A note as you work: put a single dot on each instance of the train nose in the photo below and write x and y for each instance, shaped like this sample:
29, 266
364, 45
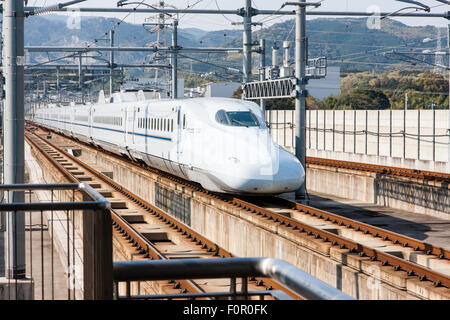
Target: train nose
288, 176
280, 175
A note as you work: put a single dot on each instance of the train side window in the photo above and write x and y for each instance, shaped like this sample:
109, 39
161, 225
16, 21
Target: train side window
171, 125
184, 121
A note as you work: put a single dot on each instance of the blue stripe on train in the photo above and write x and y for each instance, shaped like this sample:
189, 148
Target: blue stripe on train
109, 129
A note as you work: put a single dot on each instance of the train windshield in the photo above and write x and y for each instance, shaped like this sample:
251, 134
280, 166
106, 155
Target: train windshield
237, 118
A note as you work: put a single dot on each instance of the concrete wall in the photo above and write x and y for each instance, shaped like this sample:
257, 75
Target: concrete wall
423, 198
371, 136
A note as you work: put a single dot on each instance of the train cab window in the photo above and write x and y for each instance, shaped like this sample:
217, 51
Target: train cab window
243, 118
221, 117
237, 118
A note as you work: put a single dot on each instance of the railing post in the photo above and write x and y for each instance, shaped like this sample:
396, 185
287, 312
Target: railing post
418, 134
343, 132
378, 132
97, 254
309, 127
404, 134
334, 126
434, 135
324, 129
365, 148
317, 129
354, 131
390, 133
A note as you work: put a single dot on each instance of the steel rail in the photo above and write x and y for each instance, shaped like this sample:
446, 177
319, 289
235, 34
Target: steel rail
387, 259
142, 244
404, 172
386, 235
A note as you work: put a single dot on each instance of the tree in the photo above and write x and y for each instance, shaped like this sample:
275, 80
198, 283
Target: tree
361, 99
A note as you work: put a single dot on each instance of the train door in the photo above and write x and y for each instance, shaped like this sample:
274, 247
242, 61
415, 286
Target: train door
129, 126
124, 125
178, 133
90, 121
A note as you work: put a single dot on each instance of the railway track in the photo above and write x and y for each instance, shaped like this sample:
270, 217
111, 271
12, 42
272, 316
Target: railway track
344, 233
439, 177
146, 232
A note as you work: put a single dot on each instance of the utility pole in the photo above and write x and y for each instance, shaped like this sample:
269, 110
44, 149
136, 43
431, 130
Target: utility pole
300, 95
175, 60
13, 132
58, 85
80, 76
404, 125
247, 40
161, 36
448, 129
262, 74
111, 63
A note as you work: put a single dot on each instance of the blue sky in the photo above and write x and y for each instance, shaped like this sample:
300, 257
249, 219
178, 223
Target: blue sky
217, 22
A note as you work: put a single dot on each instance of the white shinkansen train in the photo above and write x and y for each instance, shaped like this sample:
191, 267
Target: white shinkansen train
223, 144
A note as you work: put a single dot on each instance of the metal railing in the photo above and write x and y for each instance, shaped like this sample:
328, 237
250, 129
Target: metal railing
298, 281
63, 246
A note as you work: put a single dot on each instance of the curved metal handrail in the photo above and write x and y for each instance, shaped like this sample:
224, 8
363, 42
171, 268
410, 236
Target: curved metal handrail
299, 281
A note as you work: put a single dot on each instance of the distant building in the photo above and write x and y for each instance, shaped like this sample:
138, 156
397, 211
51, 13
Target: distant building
221, 89
194, 92
145, 84
330, 85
